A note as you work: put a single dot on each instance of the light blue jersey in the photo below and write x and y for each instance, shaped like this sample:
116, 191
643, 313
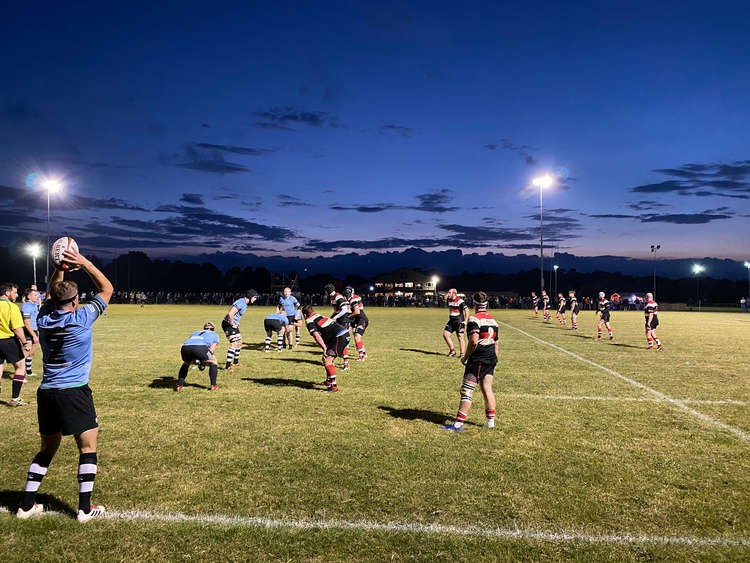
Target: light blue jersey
202, 338
278, 317
241, 305
30, 311
67, 344
289, 304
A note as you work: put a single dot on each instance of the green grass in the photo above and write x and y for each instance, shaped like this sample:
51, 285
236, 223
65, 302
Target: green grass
270, 443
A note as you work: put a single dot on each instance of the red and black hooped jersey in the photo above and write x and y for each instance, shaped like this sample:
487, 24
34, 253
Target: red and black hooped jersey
535, 300
328, 328
485, 326
358, 308
651, 307
603, 305
573, 302
545, 300
456, 308
561, 304
341, 306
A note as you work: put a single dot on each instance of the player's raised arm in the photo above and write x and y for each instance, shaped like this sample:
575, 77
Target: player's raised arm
103, 285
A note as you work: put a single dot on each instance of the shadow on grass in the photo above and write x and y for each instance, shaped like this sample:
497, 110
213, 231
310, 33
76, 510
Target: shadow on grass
280, 382
433, 417
259, 346
426, 352
169, 382
299, 361
12, 500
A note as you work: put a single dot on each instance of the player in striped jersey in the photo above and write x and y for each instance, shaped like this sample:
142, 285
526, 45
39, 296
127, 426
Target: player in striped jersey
603, 307
480, 362
332, 337
341, 312
651, 310
545, 306
535, 302
561, 310
573, 309
358, 321
457, 317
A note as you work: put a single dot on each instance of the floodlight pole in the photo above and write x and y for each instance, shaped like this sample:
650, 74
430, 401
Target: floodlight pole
33, 261
654, 248
46, 276
541, 235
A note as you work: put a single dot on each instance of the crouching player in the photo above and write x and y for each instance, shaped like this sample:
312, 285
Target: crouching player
332, 338
358, 321
480, 361
199, 349
651, 310
276, 322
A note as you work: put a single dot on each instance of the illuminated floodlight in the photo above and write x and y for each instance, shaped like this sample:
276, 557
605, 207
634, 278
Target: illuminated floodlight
698, 268
543, 182
555, 267
435, 280
372, 288
52, 185
747, 265
34, 249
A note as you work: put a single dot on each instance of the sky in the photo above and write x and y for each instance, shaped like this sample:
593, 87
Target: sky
293, 129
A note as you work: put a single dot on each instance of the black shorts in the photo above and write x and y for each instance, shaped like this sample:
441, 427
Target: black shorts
455, 324
273, 325
70, 411
654, 323
476, 371
605, 316
561, 311
337, 346
359, 326
574, 310
195, 353
11, 350
230, 331
290, 319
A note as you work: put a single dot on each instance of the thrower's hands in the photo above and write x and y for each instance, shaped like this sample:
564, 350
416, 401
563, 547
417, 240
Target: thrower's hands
75, 260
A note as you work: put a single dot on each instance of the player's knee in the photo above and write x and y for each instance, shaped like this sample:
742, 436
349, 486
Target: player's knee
467, 391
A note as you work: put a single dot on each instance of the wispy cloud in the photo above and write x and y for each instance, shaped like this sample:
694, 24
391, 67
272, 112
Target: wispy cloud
249, 151
206, 160
286, 200
400, 130
703, 180
523, 150
431, 202
290, 115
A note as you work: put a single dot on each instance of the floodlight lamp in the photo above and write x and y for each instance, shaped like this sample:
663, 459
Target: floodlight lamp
697, 268
543, 182
435, 280
555, 267
33, 249
52, 185
747, 264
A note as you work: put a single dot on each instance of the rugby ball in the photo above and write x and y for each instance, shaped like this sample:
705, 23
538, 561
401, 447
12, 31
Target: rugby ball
58, 247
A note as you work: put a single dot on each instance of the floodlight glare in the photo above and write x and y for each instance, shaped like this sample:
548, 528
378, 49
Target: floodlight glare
747, 264
697, 268
555, 267
33, 249
543, 182
52, 185
435, 280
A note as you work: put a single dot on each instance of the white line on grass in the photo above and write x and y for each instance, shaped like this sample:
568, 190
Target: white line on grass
415, 527
676, 402
632, 399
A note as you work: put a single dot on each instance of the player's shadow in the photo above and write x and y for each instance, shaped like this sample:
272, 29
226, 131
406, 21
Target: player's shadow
281, 382
169, 382
419, 414
254, 346
12, 500
621, 345
418, 351
299, 361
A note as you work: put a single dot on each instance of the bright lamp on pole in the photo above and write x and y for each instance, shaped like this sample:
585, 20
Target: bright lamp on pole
542, 182
34, 249
697, 270
52, 186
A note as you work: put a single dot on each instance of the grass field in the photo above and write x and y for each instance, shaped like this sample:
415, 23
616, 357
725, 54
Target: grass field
602, 451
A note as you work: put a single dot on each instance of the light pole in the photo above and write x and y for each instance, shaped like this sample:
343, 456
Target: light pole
555, 267
697, 269
747, 265
542, 182
435, 280
33, 250
52, 186
654, 248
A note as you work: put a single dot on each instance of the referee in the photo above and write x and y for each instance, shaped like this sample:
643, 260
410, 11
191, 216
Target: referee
13, 343
64, 402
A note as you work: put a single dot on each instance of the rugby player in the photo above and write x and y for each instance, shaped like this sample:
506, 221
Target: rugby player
65, 405
297, 326
290, 304
13, 342
276, 322
651, 310
561, 310
332, 337
573, 309
199, 349
231, 327
545, 306
603, 307
535, 302
358, 321
341, 312
29, 312
457, 317
480, 362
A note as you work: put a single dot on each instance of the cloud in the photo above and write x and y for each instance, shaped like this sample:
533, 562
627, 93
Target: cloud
24, 198
291, 201
646, 205
192, 199
289, 114
523, 150
235, 150
208, 160
685, 218
703, 180
273, 126
430, 202
613, 216
405, 132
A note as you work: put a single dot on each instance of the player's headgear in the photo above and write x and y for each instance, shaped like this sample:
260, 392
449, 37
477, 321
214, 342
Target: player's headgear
251, 293
601, 294
209, 326
348, 291
329, 288
480, 299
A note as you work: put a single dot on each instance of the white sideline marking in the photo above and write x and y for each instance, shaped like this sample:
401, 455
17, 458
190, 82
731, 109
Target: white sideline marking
676, 402
414, 527
633, 399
